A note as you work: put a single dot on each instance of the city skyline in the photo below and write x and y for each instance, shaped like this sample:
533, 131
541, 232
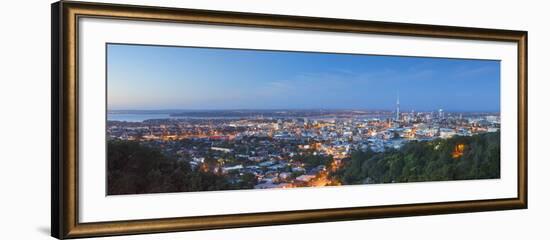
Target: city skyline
184, 78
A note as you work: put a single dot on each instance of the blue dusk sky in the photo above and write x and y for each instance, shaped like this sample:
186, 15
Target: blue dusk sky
159, 77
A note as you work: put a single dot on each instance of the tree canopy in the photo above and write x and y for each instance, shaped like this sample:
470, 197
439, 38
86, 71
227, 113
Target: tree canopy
135, 169
457, 158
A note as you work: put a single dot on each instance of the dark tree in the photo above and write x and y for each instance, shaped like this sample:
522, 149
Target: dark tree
458, 158
136, 169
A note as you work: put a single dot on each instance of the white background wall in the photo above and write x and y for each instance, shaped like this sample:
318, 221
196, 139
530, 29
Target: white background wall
25, 119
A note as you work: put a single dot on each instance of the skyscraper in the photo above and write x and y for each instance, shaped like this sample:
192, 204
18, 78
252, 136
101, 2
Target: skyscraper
397, 109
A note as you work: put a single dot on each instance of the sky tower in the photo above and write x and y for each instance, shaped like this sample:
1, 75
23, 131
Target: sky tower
397, 109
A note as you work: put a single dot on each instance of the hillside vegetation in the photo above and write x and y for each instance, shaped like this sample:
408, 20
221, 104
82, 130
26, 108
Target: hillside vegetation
457, 158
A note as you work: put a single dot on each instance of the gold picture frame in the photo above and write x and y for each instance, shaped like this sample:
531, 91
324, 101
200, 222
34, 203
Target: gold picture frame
65, 126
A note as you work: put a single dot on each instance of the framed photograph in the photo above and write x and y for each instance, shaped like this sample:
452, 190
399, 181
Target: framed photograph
168, 119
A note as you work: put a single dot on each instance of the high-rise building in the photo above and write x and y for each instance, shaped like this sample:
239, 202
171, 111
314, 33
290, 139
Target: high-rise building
397, 109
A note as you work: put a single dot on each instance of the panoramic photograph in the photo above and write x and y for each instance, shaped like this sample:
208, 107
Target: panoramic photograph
187, 119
